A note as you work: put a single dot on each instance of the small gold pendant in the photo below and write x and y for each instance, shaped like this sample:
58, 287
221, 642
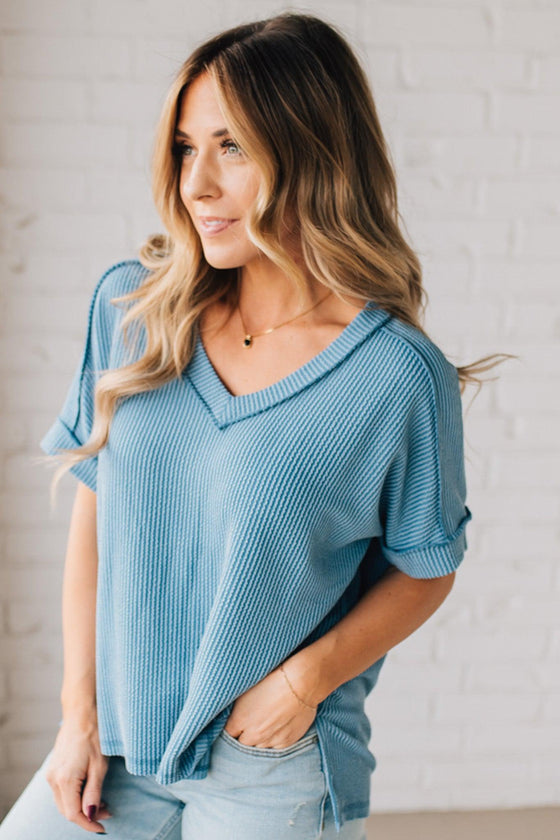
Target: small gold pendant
248, 340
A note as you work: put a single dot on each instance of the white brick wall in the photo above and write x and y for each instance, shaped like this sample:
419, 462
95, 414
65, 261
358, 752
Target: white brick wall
466, 711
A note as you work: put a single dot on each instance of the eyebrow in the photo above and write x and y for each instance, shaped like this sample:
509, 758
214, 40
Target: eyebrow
219, 133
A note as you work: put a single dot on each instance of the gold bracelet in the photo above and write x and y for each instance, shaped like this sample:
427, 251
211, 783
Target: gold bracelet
293, 692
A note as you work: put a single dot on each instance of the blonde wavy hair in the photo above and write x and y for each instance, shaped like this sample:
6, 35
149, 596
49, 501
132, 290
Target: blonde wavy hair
296, 100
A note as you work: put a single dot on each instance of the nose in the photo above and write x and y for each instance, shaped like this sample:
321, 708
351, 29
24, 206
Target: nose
198, 179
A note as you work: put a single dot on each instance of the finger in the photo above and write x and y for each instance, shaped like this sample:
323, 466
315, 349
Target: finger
57, 797
91, 793
71, 790
103, 812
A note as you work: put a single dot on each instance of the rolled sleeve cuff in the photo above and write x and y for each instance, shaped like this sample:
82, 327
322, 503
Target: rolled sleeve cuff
431, 561
59, 436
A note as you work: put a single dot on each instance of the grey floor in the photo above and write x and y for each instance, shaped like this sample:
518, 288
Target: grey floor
525, 824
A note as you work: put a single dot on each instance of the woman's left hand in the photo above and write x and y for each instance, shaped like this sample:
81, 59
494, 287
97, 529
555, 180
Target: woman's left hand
268, 714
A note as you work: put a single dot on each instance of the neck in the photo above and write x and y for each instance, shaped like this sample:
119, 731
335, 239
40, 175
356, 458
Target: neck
267, 295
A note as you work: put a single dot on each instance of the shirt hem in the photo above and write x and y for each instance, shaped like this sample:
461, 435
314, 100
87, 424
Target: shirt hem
342, 813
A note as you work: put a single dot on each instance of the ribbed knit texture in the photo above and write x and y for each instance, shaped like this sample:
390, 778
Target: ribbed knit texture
235, 530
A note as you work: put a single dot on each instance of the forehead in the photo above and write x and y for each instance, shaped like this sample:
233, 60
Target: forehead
198, 108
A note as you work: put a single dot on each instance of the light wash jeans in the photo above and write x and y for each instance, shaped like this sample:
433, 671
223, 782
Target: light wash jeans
250, 793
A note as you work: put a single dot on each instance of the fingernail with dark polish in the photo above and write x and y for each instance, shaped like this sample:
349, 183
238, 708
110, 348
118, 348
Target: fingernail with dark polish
101, 832
91, 812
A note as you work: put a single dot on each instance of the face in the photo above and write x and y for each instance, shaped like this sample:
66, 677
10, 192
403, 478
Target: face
218, 183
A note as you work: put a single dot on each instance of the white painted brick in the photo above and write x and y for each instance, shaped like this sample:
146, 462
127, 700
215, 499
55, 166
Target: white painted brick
29, 753
529, 397
418, 647
415, 741
33, 650
33, 717
35, 392
24, 546
393, 710
450, 236
476, 155
46, 356
446, 312
26, 618
63, 145
42, 273
12, 433
43, 100
514, 540
157, 58
444, 273
545, 775
430, 113
538, 238
129, 103
473, 773
416, 678
380, 64
526, 739
58, 16
522, 608
475, 708
26, 314
35, 512
144, 17
533, 355
392, 773
484, 572
538, 507
71, 232
541, 155
61, 56
115, 189
511, 645
551, 707
497, 676
532, 111
431, 196
57, 189
41, 681
525, 197
459, 69
487, 431
547, 676
406, 25
531, 28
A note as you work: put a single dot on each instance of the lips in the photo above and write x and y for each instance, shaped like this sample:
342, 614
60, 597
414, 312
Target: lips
215, 224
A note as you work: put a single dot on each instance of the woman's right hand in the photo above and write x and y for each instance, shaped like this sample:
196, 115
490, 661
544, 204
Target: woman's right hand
76, 771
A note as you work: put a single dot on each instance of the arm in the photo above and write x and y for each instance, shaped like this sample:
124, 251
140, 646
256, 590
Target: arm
78, 608
77, 768
389, 612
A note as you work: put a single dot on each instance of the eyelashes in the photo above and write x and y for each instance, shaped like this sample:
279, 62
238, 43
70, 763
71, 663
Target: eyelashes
179, 149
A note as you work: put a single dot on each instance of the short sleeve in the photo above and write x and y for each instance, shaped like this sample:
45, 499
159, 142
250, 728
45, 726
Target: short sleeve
423, 510
72, 427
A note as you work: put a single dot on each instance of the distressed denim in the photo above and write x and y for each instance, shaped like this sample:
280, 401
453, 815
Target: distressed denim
250, 793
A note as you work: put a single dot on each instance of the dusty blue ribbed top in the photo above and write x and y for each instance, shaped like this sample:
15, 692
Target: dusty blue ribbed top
235, 530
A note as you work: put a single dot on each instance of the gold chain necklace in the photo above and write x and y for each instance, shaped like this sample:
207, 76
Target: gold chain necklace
248, 340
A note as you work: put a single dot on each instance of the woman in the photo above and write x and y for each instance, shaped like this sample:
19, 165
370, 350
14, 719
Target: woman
281, 498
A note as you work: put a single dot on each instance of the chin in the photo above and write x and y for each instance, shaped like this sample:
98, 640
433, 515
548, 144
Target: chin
217, 262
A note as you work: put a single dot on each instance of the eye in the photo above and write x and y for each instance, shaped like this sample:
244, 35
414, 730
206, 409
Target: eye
179, 150
229, 144
182, 150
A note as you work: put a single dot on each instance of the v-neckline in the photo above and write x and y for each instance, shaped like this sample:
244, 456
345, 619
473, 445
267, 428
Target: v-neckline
227, 408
